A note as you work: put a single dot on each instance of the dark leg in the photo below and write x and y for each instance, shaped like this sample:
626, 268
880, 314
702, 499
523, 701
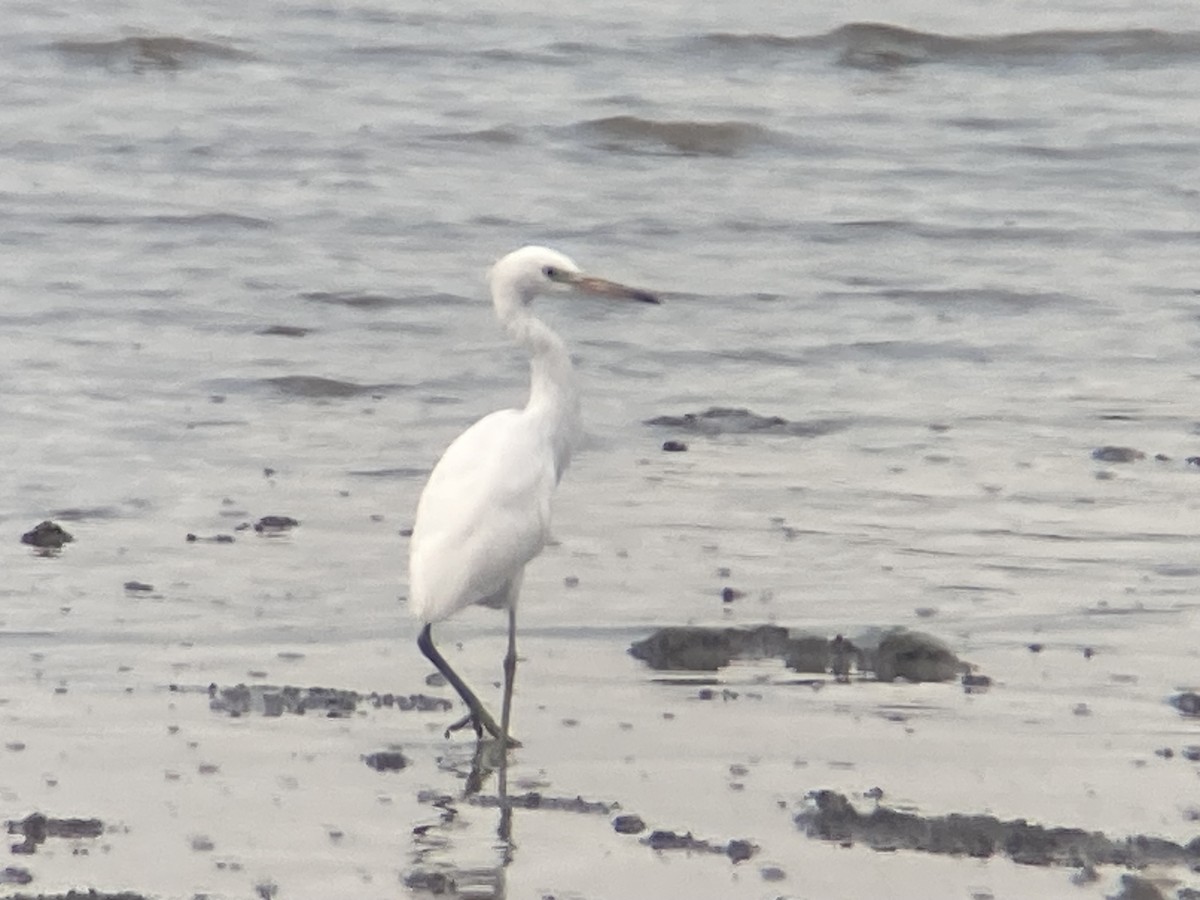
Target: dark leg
478, 717
510, 674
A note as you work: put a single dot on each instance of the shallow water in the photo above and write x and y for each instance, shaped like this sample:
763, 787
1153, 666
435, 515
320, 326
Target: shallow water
244, 251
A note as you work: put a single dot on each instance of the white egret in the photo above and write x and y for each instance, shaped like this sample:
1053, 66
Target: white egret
485, 511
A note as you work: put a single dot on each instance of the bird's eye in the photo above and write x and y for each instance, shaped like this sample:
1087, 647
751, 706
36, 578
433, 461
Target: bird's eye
550, 272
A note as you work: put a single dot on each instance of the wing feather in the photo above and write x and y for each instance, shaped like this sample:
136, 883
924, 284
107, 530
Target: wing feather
484, 514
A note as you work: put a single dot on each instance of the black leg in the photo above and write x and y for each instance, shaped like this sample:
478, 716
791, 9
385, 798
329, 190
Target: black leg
478, 717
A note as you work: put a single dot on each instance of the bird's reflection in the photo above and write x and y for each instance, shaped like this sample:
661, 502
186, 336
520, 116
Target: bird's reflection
435, 872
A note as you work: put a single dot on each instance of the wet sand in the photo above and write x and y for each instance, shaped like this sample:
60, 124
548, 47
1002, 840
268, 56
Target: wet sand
745, 781
250, 717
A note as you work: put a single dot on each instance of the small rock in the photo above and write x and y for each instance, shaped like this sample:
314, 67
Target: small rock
772, 873
914, 657
629, 824
975, 684
47, 535
739, 850
275, 524
15, 875
674, 447
1135, 887
1117, 454
1188, 703
138, 586
386, 760
435, 883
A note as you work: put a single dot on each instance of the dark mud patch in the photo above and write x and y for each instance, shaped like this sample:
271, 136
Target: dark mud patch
271, 701
208, 539
451, 882
36, 828
47, 535
737, 850
537, 800
530, 800
896, 653
719, 420
833, 818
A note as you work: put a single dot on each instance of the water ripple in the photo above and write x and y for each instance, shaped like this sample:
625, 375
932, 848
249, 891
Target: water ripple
686, 137
872, 45
166, 52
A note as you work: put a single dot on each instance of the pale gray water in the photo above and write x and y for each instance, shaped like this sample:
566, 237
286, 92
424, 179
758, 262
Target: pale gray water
968, 248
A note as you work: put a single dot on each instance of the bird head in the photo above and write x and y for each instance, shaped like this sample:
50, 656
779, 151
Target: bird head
534, 270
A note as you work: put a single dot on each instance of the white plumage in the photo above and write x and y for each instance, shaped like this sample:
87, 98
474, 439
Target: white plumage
485, 511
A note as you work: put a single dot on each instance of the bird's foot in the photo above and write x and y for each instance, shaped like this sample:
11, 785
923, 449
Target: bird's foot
469, 719
479, 722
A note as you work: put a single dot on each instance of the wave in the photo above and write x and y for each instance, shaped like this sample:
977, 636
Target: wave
728, 420
492, 136
218, 220
558, 54
873, 45
149, 52
686, 137
370, 300
315, 387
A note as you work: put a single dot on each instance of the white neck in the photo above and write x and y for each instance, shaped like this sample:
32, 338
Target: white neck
553, 395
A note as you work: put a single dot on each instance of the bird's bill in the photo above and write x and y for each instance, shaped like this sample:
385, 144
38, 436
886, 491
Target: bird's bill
602, 287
